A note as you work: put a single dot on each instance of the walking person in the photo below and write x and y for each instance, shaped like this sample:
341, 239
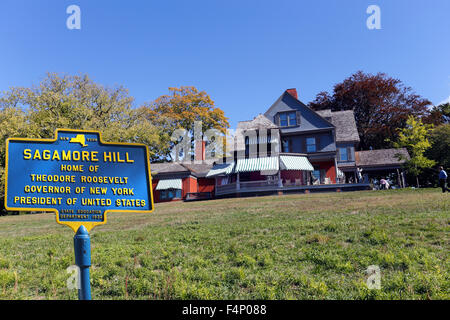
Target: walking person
443, 179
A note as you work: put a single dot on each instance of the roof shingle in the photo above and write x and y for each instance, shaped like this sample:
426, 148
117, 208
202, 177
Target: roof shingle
381, 157
344, 121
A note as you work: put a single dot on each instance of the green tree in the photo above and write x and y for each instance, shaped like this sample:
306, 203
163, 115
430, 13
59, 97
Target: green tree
181, 108
439, 115
415, 139
73, 102
440, 145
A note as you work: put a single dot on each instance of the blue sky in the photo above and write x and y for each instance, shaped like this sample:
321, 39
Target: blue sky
243, 53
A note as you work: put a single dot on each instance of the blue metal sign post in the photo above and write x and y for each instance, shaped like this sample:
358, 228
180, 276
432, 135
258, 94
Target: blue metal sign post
80, 178
82, 245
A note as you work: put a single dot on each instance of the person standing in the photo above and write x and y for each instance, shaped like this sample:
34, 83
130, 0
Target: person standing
383, 184
359, 173
443, 179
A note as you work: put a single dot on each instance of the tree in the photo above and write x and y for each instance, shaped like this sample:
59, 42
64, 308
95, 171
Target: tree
439, 115
381, 105
181, 108
72, 102
414, 139
440, 145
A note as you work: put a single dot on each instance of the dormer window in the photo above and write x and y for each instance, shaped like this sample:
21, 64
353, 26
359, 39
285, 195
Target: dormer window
288, 119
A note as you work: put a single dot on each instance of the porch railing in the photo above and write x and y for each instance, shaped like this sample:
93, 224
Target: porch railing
226, 188
272, 185
247, 185
258, 184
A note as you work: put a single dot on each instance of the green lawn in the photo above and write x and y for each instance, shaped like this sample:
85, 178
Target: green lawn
315, 246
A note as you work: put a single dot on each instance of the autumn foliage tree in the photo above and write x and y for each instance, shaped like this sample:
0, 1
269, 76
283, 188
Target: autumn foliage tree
439, 115
181, 108
381, 105
72, 102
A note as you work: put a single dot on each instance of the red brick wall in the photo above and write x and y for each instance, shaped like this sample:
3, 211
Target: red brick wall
256, 176
206, 185
292, 175
331, 172
189, 185
329, 167
155, 193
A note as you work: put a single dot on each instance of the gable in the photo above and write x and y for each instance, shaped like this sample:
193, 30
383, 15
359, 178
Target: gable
309, 119
344, 121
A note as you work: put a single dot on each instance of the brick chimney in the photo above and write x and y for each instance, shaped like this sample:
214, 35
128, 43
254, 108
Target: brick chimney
293, 92
200, 150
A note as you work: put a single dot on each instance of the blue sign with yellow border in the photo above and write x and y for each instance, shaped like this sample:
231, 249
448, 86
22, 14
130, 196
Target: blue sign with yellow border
77, 176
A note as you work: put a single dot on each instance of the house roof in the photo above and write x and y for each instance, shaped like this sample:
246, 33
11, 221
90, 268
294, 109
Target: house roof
259, 122
381, 157
167, 167
196, 169
344, 121
288, 102
199, 169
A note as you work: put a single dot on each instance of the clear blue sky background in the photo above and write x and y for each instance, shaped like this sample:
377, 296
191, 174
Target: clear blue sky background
244, 53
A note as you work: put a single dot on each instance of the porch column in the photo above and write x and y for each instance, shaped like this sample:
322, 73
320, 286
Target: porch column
403, 178
238, 183
336, 169
280, 183
399, 179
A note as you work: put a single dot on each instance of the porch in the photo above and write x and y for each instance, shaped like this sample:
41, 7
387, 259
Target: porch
275, 187
276, 175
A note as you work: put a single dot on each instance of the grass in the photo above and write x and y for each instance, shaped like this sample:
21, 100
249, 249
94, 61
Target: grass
315, 246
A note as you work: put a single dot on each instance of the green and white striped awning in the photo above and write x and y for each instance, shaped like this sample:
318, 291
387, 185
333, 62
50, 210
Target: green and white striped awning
257, 164
295, 163
222, 168
169, 184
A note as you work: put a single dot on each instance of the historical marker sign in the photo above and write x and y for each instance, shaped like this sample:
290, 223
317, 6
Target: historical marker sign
77, 176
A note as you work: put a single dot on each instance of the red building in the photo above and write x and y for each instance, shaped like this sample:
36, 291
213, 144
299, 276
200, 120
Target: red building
186, 181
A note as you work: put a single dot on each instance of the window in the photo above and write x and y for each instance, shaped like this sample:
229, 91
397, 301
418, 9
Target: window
170, 194
346, 154
286, 145
316, 174
310, 144
247, 146
292, 118
343, 154
283, 120
288, 119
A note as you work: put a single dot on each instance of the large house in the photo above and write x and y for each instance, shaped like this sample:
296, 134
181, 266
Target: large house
292, 148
